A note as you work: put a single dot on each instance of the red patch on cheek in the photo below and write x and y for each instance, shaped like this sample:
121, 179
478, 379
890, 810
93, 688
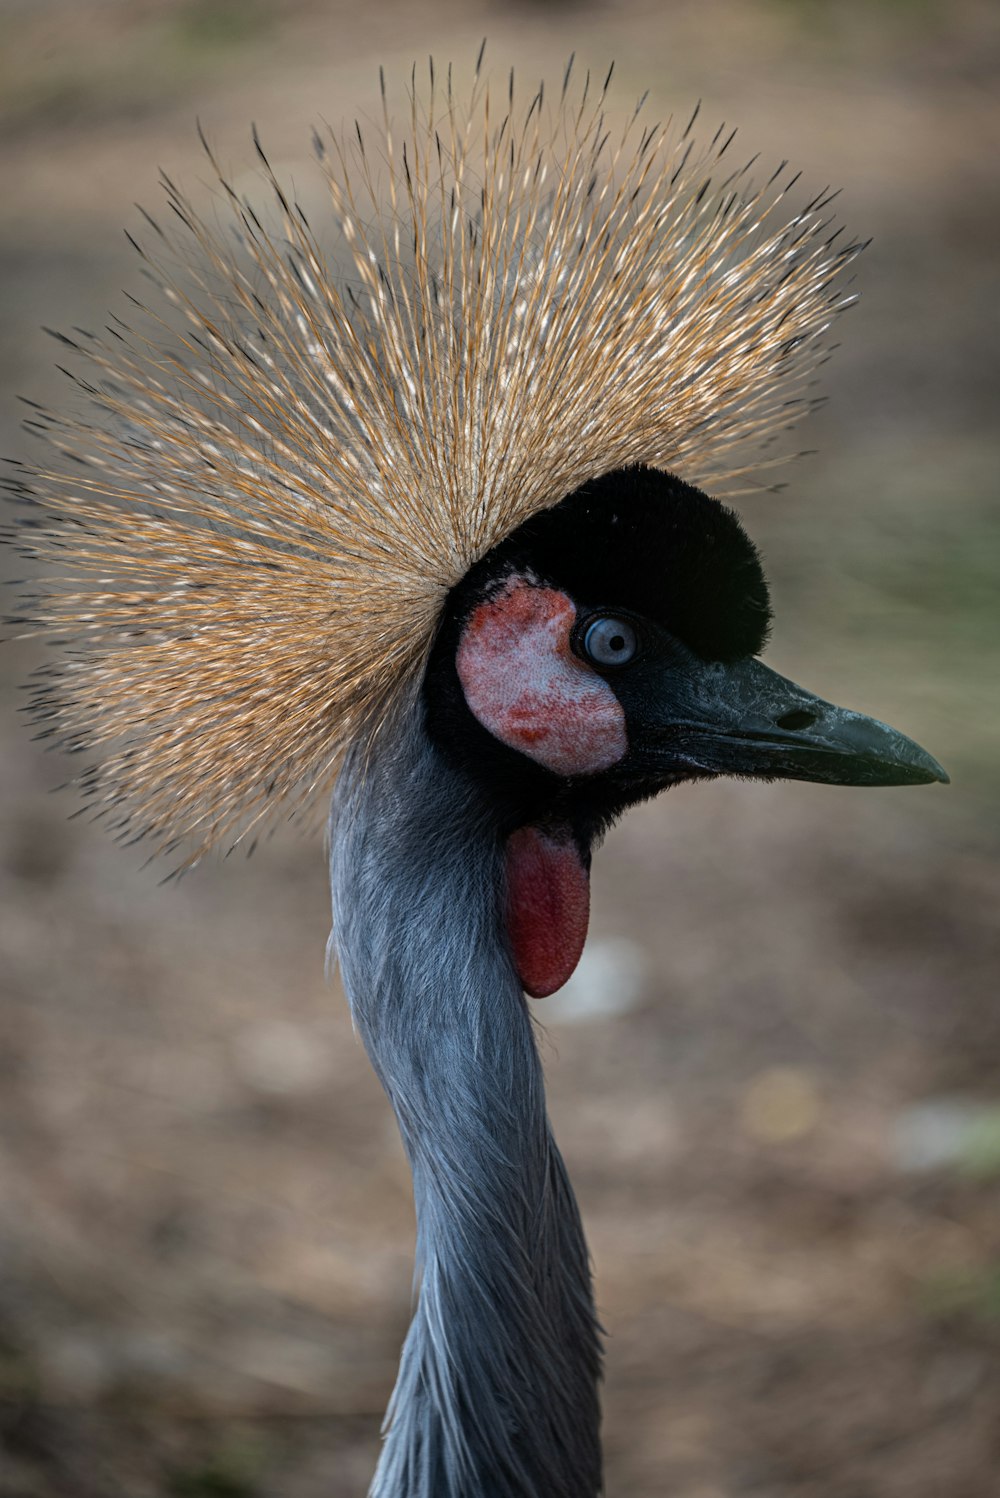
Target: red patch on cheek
525, 685
548, 908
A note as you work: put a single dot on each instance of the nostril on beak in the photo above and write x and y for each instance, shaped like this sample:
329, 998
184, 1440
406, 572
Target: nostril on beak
798, 719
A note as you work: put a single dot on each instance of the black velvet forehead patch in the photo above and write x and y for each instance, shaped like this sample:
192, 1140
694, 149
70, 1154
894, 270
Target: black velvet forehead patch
643, 540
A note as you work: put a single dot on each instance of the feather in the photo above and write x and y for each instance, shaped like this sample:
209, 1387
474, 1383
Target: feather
305, 438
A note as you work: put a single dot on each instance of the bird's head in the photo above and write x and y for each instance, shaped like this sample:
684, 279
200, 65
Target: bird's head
604, 651
267, 532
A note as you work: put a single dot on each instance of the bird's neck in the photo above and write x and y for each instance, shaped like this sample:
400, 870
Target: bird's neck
497, 1389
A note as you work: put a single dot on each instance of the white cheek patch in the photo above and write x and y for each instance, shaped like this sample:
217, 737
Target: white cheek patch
525, 685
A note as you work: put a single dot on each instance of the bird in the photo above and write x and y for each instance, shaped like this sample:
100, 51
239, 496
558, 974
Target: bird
419, 511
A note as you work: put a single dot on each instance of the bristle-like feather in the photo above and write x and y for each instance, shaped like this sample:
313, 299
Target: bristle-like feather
303, 446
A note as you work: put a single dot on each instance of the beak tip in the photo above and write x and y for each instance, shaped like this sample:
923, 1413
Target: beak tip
929, 767
928, 771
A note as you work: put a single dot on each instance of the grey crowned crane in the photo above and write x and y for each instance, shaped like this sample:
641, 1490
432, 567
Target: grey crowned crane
406, 509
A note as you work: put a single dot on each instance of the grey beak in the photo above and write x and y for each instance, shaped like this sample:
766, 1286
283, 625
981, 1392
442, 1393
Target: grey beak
746, 720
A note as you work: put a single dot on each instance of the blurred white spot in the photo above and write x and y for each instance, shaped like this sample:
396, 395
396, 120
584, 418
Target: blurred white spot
280, 1057
609, 980
948, 1131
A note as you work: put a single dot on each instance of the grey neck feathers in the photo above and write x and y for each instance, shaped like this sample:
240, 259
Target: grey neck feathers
497, 1388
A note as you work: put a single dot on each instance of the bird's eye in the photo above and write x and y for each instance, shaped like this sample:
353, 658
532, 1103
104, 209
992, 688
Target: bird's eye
610, 642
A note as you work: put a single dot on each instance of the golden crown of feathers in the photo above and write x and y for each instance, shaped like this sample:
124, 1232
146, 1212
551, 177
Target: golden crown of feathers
309, 436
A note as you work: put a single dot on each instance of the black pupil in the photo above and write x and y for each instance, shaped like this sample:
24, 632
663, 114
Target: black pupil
617, 642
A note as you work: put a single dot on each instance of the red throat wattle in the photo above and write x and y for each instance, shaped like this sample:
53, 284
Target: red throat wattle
548, 907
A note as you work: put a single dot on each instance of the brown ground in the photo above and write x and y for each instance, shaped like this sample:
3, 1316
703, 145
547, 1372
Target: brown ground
206, 1232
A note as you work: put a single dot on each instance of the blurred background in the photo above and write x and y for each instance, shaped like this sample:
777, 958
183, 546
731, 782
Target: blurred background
777, 1076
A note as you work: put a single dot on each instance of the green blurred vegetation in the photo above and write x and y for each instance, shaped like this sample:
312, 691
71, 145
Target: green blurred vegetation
971, 1293
232, 1470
